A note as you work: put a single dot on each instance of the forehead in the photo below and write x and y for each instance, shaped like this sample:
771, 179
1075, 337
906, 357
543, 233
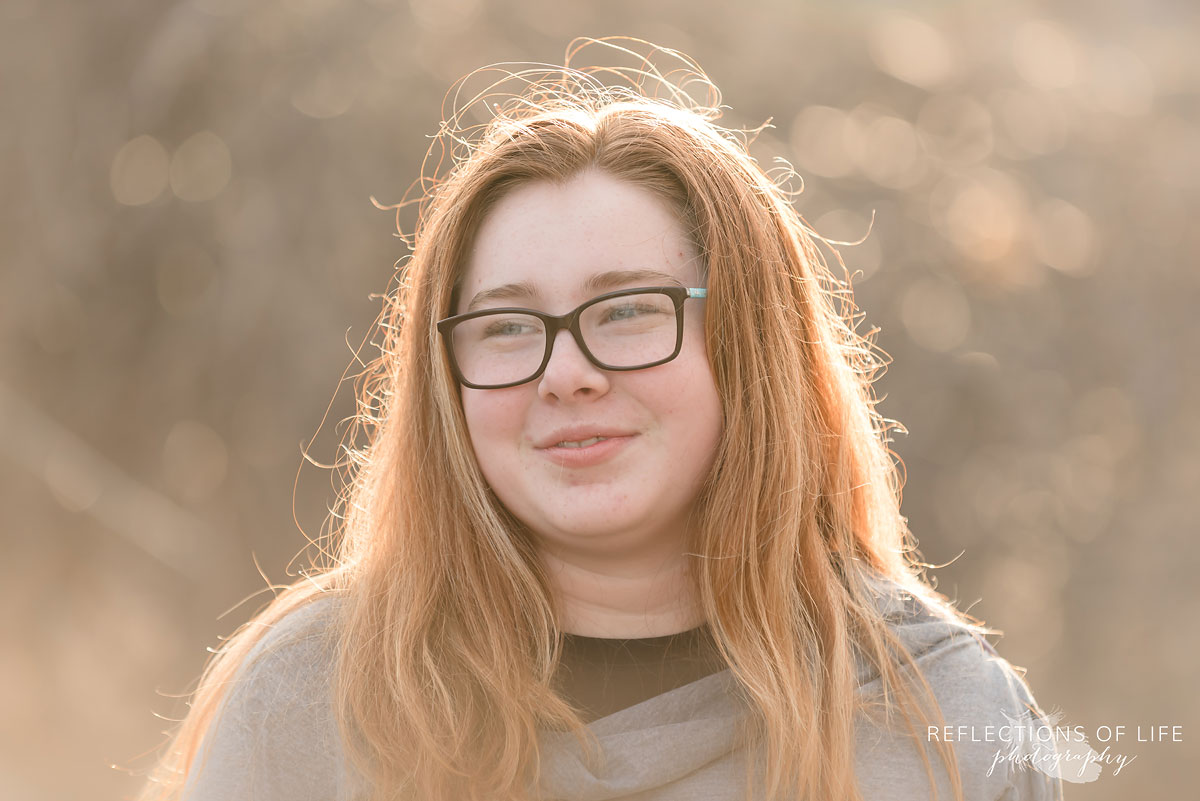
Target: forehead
548, 241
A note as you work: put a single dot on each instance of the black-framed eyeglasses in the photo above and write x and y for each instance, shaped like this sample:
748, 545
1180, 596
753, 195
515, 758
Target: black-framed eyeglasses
630, 329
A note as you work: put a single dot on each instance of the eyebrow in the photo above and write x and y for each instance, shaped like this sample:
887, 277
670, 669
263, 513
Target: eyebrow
600, 282
521, 289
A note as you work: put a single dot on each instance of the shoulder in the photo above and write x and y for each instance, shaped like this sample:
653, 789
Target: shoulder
291, 666
987, 703
981, 696
308, 630
275, 734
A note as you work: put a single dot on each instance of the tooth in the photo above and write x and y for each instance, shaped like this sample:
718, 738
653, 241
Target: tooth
580, 443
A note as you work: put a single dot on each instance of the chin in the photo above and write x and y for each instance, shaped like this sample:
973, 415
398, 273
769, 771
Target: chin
598, 524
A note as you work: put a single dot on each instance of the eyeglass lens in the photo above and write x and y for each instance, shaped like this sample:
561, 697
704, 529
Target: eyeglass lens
626, 331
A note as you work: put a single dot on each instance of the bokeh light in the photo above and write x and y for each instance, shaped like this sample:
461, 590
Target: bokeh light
911, 49
139, 171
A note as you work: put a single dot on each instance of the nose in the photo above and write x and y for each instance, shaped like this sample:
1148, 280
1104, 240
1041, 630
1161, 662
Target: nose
569, 375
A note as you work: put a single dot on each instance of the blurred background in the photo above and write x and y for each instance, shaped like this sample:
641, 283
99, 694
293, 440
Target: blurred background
190, 249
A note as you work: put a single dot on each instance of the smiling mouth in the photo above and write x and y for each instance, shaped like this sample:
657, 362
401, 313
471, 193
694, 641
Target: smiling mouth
583, 443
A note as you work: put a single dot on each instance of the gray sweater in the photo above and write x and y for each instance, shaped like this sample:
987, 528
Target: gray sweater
276, 737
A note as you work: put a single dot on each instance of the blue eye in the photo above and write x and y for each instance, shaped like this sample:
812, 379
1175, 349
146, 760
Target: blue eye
509, 328
630, 311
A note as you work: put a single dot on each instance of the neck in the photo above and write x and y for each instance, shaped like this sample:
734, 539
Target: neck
649, 597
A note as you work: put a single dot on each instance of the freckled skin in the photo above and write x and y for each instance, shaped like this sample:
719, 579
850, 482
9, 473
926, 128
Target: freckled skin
638, 502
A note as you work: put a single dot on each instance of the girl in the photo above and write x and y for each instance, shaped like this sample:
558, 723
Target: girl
624, 523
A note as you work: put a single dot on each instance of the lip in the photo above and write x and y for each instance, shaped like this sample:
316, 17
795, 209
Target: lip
593, 454
578, 434
615, 440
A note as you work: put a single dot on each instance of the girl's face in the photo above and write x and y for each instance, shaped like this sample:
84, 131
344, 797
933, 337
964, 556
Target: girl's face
550, 247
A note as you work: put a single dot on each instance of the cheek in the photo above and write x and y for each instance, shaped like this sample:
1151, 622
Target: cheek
697, 411
494, 423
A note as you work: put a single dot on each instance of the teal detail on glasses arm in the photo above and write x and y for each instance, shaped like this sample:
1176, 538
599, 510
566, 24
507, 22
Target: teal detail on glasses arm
697, 293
